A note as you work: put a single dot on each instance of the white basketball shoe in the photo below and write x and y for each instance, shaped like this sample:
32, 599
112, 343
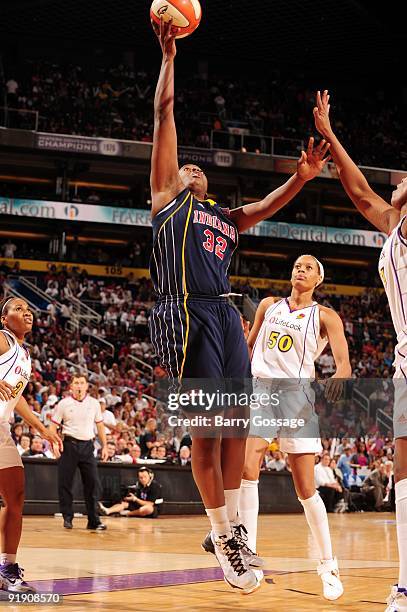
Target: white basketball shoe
397, 600
235, 570
329, 573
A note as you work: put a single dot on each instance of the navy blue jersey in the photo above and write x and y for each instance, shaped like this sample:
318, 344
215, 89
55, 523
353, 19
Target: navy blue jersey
193, 244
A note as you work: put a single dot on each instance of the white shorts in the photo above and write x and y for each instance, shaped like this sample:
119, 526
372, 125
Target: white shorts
400, 403
295, 402
9, 455
300, 445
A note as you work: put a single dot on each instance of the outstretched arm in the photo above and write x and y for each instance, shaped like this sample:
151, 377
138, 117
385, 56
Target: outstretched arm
164, 178
309, 165
332, 327
258, 322
369, 204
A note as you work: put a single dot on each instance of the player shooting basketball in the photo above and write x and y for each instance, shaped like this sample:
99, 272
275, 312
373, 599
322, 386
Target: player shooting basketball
195, 332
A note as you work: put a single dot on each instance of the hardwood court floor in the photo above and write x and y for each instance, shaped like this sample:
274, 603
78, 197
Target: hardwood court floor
143, 564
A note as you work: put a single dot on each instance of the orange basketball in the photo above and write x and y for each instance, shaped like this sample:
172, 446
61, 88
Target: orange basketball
185, 15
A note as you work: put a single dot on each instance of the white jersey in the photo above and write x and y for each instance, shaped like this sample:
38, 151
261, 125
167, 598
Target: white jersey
15, 368
288, 343
393, 272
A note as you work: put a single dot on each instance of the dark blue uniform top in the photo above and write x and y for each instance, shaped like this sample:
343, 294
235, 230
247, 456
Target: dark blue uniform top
193, 244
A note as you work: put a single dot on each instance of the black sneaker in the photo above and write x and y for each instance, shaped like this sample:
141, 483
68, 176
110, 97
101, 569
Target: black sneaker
98, 527
11, 579
207, 545
68, 524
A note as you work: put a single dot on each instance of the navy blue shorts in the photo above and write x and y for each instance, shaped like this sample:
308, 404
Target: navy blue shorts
202, 338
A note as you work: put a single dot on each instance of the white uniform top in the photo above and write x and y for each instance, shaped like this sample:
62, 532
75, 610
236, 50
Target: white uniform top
288, 343
78, 417
15, 368
393, 272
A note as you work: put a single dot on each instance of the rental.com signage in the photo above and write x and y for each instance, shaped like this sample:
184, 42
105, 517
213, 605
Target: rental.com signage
41, 209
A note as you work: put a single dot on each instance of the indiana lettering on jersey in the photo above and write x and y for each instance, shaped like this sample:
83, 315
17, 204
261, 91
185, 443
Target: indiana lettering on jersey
205, 218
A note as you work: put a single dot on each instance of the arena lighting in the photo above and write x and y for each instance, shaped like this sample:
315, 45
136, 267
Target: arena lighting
360, 263
25, 179
101, 240
333, 208
265, 254
9, 234
99, 185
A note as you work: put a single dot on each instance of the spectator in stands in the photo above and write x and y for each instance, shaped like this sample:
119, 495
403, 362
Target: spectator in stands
374, 486
142, 500
276, 461
9, 249
148, 440
184, 457
111, 453
24, 444
344, 464
17, 432
113, 397
326, 483
12, 92
108, 417
360, 458
36, 448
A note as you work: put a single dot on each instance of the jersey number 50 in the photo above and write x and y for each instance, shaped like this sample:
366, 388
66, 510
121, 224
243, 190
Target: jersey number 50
283, 343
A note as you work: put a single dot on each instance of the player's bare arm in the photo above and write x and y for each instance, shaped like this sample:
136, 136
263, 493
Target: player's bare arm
258, 321
376, 210
5, 387
332, 328
165, 180
310, 164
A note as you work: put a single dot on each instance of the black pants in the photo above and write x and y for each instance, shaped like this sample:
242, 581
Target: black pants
330, 497
78, 454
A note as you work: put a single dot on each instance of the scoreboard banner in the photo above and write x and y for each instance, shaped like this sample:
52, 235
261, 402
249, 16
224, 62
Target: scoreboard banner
42, 209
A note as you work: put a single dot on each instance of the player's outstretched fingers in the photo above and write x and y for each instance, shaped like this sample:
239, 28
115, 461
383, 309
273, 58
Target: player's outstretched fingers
310, 145
325, 148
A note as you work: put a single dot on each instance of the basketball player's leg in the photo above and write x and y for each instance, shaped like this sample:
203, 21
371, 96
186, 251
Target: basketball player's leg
192, 348
237, 370
11, 514
400, 478
11, 517
249, 493
398, 596
302, 466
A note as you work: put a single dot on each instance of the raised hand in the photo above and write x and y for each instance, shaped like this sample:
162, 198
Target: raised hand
312, 162
321, 115
166, 35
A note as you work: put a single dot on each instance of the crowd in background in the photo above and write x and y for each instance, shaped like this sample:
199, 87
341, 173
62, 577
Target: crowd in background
136, 254
119, 360
117, 102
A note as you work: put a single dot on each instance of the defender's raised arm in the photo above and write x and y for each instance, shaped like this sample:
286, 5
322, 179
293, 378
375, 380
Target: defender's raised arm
369, 204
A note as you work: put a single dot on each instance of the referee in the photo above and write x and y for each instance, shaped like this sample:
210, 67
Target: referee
78, 414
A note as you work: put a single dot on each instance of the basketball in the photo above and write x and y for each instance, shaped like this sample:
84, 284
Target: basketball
185, 14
